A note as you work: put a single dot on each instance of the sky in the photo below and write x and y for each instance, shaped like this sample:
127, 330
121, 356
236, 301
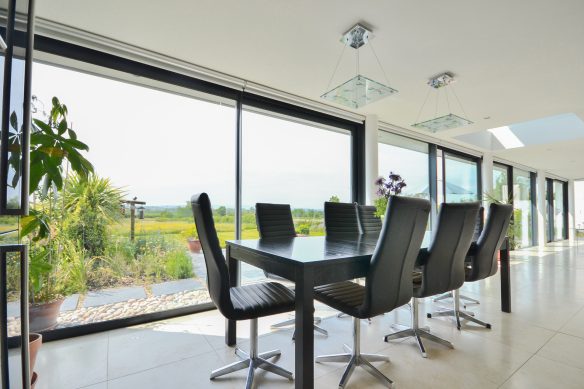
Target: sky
163, 147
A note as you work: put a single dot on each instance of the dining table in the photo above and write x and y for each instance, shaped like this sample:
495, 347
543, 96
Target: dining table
309, 262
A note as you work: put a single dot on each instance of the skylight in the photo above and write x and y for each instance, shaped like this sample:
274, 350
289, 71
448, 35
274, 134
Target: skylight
506, 137
546, 130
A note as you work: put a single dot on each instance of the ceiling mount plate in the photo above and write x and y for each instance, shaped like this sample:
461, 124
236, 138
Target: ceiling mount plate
441, 80
357, 36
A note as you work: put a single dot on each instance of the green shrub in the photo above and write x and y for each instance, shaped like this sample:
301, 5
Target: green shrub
303, 229
178, 265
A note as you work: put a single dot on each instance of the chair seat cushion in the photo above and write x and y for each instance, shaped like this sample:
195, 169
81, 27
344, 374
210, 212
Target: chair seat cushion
262, 299
345, 296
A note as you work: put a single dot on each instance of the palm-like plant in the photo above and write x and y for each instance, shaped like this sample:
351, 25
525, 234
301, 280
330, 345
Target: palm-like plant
90, 204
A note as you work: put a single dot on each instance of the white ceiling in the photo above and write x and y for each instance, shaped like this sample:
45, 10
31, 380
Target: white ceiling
514, 60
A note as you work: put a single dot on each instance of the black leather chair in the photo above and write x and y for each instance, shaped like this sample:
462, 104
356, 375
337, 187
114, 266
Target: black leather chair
481, 260
341, 218
477, 233
441, 266
369, 223
275, 221
247, 302
388, 284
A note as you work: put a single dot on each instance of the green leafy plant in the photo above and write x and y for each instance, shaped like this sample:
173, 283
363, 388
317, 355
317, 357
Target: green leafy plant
54, 148
90, 203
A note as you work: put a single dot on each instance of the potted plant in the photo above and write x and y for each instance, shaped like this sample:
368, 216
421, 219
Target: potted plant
392, 186
54, 147
194, 243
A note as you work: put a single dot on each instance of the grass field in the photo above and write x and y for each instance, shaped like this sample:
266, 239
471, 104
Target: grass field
181, 229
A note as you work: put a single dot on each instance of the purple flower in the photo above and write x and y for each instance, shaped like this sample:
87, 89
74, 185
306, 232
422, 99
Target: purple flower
392, 186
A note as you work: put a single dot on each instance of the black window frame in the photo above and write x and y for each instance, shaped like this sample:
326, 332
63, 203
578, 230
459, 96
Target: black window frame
533, 195
550, 203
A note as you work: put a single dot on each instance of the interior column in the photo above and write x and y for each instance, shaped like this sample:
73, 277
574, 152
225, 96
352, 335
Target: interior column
371, 157
541, 209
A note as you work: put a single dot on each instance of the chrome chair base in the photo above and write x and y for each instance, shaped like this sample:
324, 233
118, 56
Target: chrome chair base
341, 315
253, 361
417, 332
290, 322
354, 358
458, 314
462, 297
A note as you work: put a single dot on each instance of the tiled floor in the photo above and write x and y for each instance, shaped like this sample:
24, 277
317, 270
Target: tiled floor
539, 345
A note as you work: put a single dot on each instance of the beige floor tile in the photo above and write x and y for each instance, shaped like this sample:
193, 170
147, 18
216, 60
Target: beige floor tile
565, 349
136, 349
542, 373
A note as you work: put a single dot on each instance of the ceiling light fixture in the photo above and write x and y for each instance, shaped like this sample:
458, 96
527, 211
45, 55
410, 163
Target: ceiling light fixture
444, 122
359, 90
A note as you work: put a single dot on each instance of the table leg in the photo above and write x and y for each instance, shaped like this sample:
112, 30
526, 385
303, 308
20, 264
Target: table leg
231, 325
304, 342
505, 278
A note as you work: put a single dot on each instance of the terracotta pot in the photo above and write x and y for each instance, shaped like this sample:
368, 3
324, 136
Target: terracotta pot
44, 316
34, 344
194, 245
33, 379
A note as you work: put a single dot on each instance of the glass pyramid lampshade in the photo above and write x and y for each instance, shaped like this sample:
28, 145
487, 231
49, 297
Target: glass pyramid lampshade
358, 91
445, 122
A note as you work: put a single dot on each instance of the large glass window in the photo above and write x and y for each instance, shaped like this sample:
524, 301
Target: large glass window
409, 159
294, 162
460, 178
500, 183
522, 204
114, 256
558, 210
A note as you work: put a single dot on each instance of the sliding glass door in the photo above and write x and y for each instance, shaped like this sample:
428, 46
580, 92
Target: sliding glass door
559, 212
500, 183
128, 244
522, 207
291, 161
458, 178
408, 158
557, 203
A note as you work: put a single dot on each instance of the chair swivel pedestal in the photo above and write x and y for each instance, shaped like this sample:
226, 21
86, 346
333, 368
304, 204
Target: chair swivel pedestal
457, 313
353, 357
291, 322
461, 296
253, 360
417, 332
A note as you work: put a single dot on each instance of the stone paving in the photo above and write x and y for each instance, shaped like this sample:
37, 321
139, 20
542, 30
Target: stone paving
117, 303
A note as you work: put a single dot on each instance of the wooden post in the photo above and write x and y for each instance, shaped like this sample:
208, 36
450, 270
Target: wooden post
132, 221
133, 203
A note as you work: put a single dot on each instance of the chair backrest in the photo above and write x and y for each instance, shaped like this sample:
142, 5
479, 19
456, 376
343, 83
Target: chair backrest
368, 221
480, 224
217, 272
443, 268
274, 220
340, 218
389, 279
484, 258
